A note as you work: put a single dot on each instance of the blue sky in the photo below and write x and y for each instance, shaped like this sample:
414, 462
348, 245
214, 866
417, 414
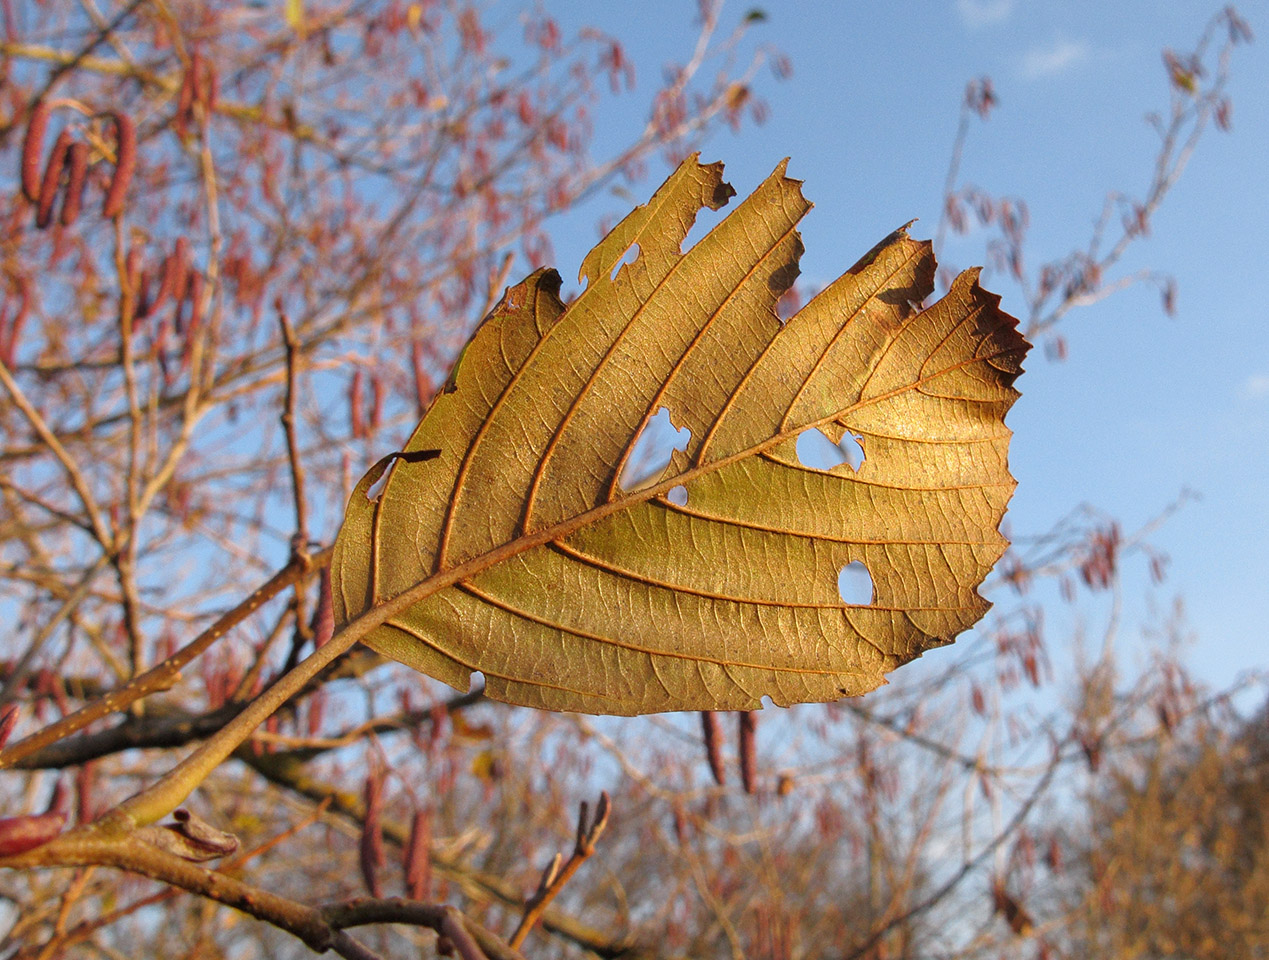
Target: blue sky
1145, 405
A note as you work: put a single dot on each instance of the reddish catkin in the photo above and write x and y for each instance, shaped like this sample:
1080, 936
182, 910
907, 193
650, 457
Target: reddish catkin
59, 801
423, 387
680, 826
73, 201
323, 622
32, 147
139, 281
376, 401
418, 860
272, 725
85, 778
197, 75
19, 834
213, 88
168, 270
316, 712
194, 293
713, 746
125, 165
9, 347
356, 419
748, 750
52, 180
175, 275
132, 266
371, 850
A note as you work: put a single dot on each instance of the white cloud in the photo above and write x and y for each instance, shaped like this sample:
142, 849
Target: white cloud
983, 13
1256, 386
1054, 58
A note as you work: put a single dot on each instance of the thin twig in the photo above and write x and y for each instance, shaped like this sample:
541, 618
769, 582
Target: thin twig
74, 60
162, 676
292, 344
18, 674
320, 928
73, 473
554, 877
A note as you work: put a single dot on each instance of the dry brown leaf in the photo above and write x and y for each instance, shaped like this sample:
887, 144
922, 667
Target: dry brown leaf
570, 592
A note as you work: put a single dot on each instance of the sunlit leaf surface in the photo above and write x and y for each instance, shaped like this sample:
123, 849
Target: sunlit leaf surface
715, 581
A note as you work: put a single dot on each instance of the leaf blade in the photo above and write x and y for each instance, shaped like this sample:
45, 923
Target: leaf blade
530, 563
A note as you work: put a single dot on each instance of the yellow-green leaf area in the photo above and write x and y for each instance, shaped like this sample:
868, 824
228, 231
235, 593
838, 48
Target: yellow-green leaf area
713, 583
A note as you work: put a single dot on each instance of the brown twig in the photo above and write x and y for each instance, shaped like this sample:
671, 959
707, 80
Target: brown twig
320, 928
87, 928
73, 472
299, 540
288, 772
71, 61
292, 345
554, 877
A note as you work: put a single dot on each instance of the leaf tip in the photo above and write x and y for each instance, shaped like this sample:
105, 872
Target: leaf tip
723, 191
781, 172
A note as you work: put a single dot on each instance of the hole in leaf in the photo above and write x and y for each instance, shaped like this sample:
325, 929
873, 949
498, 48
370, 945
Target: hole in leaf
817, 451
677, 495
475, 682
706, 220
653, 449
854, 584
630, 256
376, 489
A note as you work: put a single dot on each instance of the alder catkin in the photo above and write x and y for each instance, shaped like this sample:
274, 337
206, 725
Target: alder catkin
19, 320
72, 202
748, 750
184, 99
58, 802
85, 779
198, 78
323, 623
138, 282
212, 92
125, 164
31, 151
376, 401
175, 276
52, 180
167, 281
423, 388
371, 848
356, 419
713, 746
132, 265
194, 292
418, 862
